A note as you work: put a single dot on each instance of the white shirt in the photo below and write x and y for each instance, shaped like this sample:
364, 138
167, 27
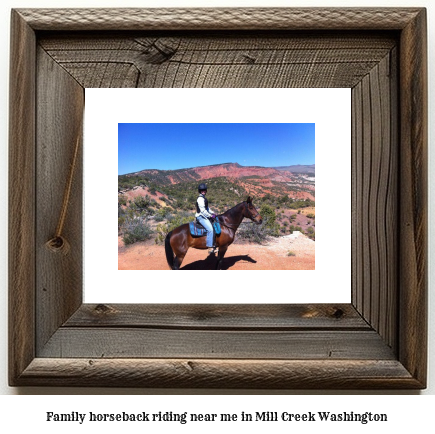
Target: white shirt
202, 209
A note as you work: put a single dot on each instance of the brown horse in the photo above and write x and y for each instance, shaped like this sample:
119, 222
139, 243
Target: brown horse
179, 240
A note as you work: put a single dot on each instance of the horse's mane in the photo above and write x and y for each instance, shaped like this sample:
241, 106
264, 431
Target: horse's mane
231, 211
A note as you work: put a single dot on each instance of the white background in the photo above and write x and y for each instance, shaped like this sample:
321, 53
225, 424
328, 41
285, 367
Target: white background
410, 413
329, 109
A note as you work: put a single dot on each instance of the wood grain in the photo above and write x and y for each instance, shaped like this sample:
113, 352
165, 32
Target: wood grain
127, 342
236, 60
413, 197
220, 317
228, 374
378, 342
59, 278
220, 18
21, 197
375, 199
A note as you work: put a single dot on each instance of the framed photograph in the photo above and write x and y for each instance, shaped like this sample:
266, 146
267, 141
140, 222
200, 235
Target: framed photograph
60, 335
159, 167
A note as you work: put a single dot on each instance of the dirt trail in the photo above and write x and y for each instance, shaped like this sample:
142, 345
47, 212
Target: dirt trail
272, 256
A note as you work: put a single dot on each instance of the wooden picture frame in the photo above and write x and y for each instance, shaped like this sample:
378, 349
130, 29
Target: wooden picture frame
377, 341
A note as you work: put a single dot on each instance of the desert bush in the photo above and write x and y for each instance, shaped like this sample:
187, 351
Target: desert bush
127, 182
257, 233
122, 200
295, 228
269, 220
268, 214
121, 221
135, 229
141, 203
311, 233
173, 221
283, 199
161, 214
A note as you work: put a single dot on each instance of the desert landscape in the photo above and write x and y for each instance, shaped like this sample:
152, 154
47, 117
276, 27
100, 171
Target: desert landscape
152, 202
290, 252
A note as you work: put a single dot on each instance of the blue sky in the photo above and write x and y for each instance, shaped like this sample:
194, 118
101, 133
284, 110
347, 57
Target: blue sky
177, 146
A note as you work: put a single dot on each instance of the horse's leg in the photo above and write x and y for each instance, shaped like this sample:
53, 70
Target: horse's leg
178, 260
222, 250
179, 246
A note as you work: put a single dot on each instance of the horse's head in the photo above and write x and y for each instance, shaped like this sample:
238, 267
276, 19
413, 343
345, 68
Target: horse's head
252, 213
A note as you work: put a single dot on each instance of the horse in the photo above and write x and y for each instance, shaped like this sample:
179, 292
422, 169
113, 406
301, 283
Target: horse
178, 241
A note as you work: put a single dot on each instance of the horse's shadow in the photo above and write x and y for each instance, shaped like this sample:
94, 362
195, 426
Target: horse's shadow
210, 262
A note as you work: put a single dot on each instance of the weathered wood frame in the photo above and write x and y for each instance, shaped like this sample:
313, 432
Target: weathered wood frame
377, 341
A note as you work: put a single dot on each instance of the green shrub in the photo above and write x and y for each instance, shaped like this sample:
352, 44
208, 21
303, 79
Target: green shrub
141, 203
173, 222
122, 200
295, 228
126, 182
121, 221
267, 213
311, 233
269, 220
161, 214
135, 229
257, 233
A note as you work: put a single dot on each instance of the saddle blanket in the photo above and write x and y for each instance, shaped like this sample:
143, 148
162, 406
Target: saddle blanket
196, 230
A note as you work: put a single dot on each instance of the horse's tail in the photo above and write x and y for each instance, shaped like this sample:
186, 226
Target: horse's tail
169, 252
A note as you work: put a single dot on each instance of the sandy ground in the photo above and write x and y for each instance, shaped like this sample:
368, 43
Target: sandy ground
271, 256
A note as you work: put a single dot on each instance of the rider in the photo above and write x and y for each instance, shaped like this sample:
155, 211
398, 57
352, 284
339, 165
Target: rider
204, 214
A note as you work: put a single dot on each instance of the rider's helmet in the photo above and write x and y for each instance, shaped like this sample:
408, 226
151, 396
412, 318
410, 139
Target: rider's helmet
202, 187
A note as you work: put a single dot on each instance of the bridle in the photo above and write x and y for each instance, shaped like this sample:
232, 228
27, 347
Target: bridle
252, 215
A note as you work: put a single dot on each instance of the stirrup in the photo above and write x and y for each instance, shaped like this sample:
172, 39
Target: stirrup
211, 250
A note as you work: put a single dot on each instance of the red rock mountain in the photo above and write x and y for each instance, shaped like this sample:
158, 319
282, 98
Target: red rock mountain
256, 179
229, 170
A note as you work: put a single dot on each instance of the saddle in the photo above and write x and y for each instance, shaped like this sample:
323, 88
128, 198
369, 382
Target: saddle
197, 230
